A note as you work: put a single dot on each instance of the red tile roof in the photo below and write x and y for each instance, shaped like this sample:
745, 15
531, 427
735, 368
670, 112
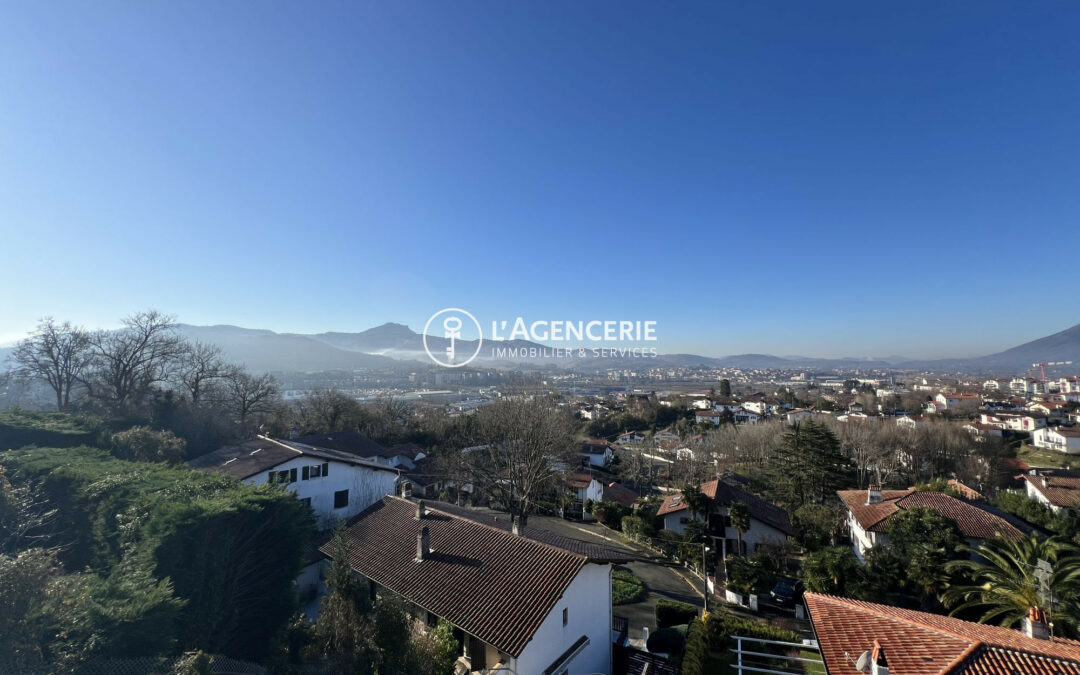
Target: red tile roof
918, 643
1062, 491
492, 584
974, 521
724, 494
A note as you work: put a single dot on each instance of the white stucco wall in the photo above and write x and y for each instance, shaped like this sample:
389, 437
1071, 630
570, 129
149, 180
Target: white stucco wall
588, 599
365, 485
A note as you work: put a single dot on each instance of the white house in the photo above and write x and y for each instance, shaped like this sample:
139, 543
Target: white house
1058, 490
596, 453
712, 417
1014, 421
631, 438
769, 524
517, 604
336, 485
1062, 439
870, 511
958, 402
585, 488
798, 415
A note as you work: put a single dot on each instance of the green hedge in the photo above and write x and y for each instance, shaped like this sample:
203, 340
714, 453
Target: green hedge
232, 551
723, 624
674, 613
696, 650
668, 640
19, 428
625, 587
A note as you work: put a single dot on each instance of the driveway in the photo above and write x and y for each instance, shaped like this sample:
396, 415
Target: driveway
662, 578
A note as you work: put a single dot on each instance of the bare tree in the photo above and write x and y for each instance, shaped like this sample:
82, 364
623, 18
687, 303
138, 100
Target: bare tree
128, 362
245, 394
56, 353
199, 368
526, 445
327, 410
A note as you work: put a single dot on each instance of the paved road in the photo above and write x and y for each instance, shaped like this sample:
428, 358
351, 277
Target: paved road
660, 577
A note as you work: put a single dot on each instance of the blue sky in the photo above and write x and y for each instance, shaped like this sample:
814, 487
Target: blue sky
853, 178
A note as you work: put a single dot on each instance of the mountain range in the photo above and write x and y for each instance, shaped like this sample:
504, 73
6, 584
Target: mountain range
394, 345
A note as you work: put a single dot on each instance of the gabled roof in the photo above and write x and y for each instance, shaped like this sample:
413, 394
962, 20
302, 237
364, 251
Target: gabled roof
492, 584
1061, 491
262, 454
918, 643
620, 494
594, 552
724, 494
351, 442
579, 480
975, 520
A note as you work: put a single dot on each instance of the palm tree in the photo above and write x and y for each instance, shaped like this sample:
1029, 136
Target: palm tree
739, 515
697, 501
1006, 582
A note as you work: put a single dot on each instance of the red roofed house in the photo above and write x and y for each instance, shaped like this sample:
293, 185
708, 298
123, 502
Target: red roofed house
907, 642
1058, 490
517, 603
869, 512
769, 524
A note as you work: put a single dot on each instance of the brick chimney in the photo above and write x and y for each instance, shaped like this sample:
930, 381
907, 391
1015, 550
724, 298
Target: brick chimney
879, 665
420, 509
1035, 625
873, 494
423, 544
518, 524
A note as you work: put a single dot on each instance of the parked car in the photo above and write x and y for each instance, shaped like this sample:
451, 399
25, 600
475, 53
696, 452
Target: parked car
786, 592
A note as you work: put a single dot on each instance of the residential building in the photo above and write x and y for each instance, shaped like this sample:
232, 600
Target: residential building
336, 485
908, 642
516, 603
870, 511
769, 524
1061, 439
596, 454
1059, 490
1014, 421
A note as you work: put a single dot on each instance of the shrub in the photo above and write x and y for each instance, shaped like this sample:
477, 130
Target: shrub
668, 640
723, 624
219, 542
625, 587
696, 650
143, 444
633, 527
673, 613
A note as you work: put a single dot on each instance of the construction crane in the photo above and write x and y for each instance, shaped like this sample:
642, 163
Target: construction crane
1042, 367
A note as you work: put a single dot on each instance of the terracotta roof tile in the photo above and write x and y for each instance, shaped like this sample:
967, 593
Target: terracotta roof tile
1061, 491
471, 574
724, 494
974, 520
918, 643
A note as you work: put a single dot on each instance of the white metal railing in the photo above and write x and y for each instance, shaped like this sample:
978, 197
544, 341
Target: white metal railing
808, 645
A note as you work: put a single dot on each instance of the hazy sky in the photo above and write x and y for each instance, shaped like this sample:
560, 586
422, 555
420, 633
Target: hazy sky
856, 178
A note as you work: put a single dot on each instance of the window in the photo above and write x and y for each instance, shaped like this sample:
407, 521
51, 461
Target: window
684, 521
565, 615
341, 499
282, 477
316, 471
306, 501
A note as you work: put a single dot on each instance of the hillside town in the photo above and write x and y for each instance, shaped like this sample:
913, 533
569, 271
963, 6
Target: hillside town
798, 526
